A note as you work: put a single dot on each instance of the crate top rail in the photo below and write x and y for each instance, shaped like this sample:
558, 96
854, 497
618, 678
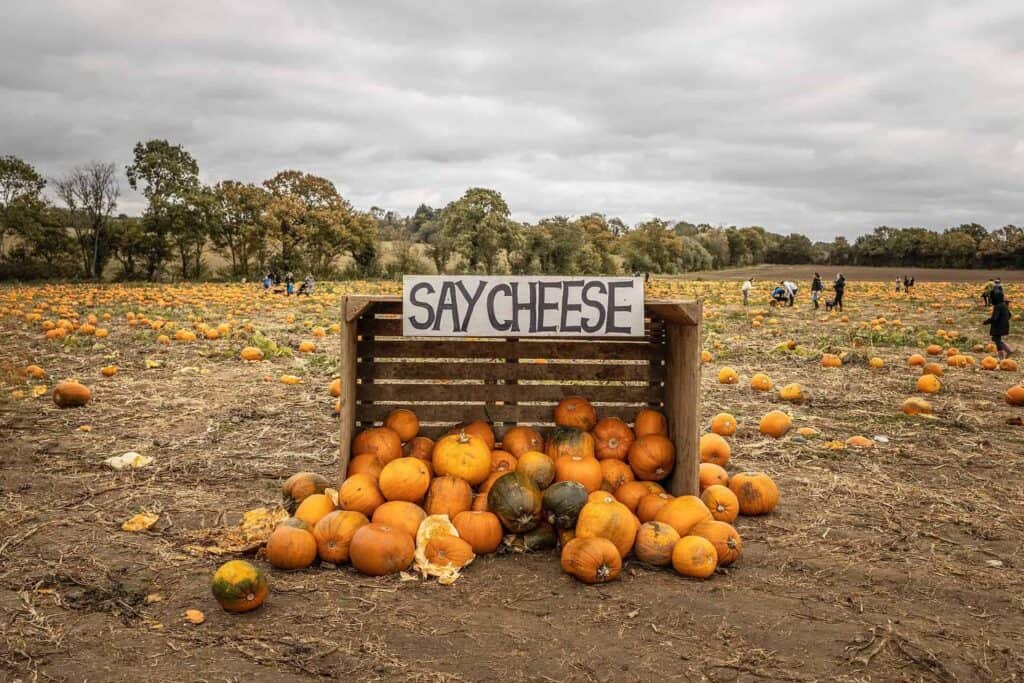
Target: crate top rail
509, 381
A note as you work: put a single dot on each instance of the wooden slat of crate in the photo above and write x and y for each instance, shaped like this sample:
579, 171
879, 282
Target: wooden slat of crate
508, 393
504, 350
531, 414
390, 325
440, 370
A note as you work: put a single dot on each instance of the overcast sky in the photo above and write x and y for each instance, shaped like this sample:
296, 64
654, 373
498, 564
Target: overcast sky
820, 117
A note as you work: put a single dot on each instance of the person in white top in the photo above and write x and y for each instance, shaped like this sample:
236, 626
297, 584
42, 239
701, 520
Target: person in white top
790, 290
747, 284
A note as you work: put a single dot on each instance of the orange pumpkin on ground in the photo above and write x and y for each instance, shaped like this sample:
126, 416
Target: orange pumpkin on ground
932, 369
916, 360
251, 353
649, 421
314, 508
647, 508
538, 467
723, 424
334, 388
519, 440
711, 474
404, 423
761, 382
792, 393
654, 544
360, 494
449, 496
652, 457
860, 442
714, 449
683, 513
1015, 395
400, 514
462, 455
724, 537
615, 473
239, 586
378, 550
989, 363
71, 395
928, 384
291, 545
381, 441
404, 479
612, 437
694, 556
575, 412
109, 370
631, 493
482, 530
591, 560
333, 534
830, 360
300, 486
1009, 365
775, 424
916, 406
366, 463
722, 503
755, 491
933, 350
585, 470
608, 519
728, 376
448, 551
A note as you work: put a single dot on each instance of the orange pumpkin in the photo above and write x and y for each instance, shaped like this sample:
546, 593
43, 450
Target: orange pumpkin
360, 493
728, 376
333, 534
1009, 365
566, 441
655, 542
609, 519
711, 474
503, 461
482, 530
725, 538
714, 449
479, 429
989, 363
928, 384
652, 457
314, 508
404, 423
449, 496
381, 441
575, 412
1015, 395
366, 463
334, 388
723, 424
916, 360
300, 486
830, 360
404, 479
378, 550
591, 560
683, 513
585, 470
631, 493
916, 406
761, 382
647, 508
614, 473
792, 393
519, 440
649, 421
775, 424
421, 448
538, 467
612, 439
694, 556
400, 514
448, 551
71, 395
756, 492
251, 353
291, 545
932, 369
722, 502
462, 455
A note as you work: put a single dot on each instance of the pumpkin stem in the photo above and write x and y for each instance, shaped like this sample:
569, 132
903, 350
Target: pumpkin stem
463, 436
603, 572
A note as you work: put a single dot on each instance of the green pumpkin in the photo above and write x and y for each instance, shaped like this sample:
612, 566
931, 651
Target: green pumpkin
562, 503
541, 538
516, 500
568, 441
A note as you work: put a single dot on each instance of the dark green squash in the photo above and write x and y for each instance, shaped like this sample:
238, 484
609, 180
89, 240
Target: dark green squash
516, 500
541, 538
567, 441
562, 503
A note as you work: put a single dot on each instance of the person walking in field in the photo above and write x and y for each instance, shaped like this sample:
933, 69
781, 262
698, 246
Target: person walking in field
906, 284
747, 284
840, 288
268, 282
289, 283
899, 283
986, 293
999, 322
790, 291
816, 289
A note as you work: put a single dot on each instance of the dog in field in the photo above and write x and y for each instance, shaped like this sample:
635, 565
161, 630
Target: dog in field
829, 305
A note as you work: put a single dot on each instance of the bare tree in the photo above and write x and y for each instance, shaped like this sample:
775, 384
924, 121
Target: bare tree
90, 192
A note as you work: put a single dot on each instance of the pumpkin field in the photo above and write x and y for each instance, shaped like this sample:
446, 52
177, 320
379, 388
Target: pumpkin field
150, 430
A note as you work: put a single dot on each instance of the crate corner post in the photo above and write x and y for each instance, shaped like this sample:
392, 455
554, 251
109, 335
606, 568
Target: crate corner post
682, 396
347, 375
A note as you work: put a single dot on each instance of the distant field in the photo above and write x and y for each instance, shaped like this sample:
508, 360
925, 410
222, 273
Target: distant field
863, 273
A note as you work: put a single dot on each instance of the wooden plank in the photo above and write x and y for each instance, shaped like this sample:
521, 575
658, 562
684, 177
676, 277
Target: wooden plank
586, 373
507, 393
347, 373
392, 327
684, 312
504, 350
682, 405
357, 304
450, 414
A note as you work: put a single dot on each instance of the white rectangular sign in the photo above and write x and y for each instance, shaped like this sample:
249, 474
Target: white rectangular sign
504, 306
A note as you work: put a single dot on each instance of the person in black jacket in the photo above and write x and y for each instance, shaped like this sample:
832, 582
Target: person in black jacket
816, 289
999, 322
840, 287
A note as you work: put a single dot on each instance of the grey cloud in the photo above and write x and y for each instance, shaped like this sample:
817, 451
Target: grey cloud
823, 118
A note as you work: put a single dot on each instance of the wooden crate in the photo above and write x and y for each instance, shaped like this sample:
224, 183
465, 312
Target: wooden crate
519, 381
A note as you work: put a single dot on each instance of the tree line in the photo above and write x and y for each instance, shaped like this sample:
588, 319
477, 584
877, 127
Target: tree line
299, 222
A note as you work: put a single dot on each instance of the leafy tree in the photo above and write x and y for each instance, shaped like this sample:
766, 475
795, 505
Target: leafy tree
128, 244
478, 228
169, 178
20, 201
90, 193
239, 228
794, 248
715, 241
653, 247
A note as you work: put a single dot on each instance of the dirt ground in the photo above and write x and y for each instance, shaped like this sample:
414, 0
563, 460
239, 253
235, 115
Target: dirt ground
804, 274
902, 562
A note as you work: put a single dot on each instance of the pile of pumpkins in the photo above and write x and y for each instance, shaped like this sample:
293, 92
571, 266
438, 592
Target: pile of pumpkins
590, 488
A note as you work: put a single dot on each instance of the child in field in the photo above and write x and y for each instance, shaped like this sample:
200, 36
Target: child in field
816, 289
289, 283
747, 284
999, 321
